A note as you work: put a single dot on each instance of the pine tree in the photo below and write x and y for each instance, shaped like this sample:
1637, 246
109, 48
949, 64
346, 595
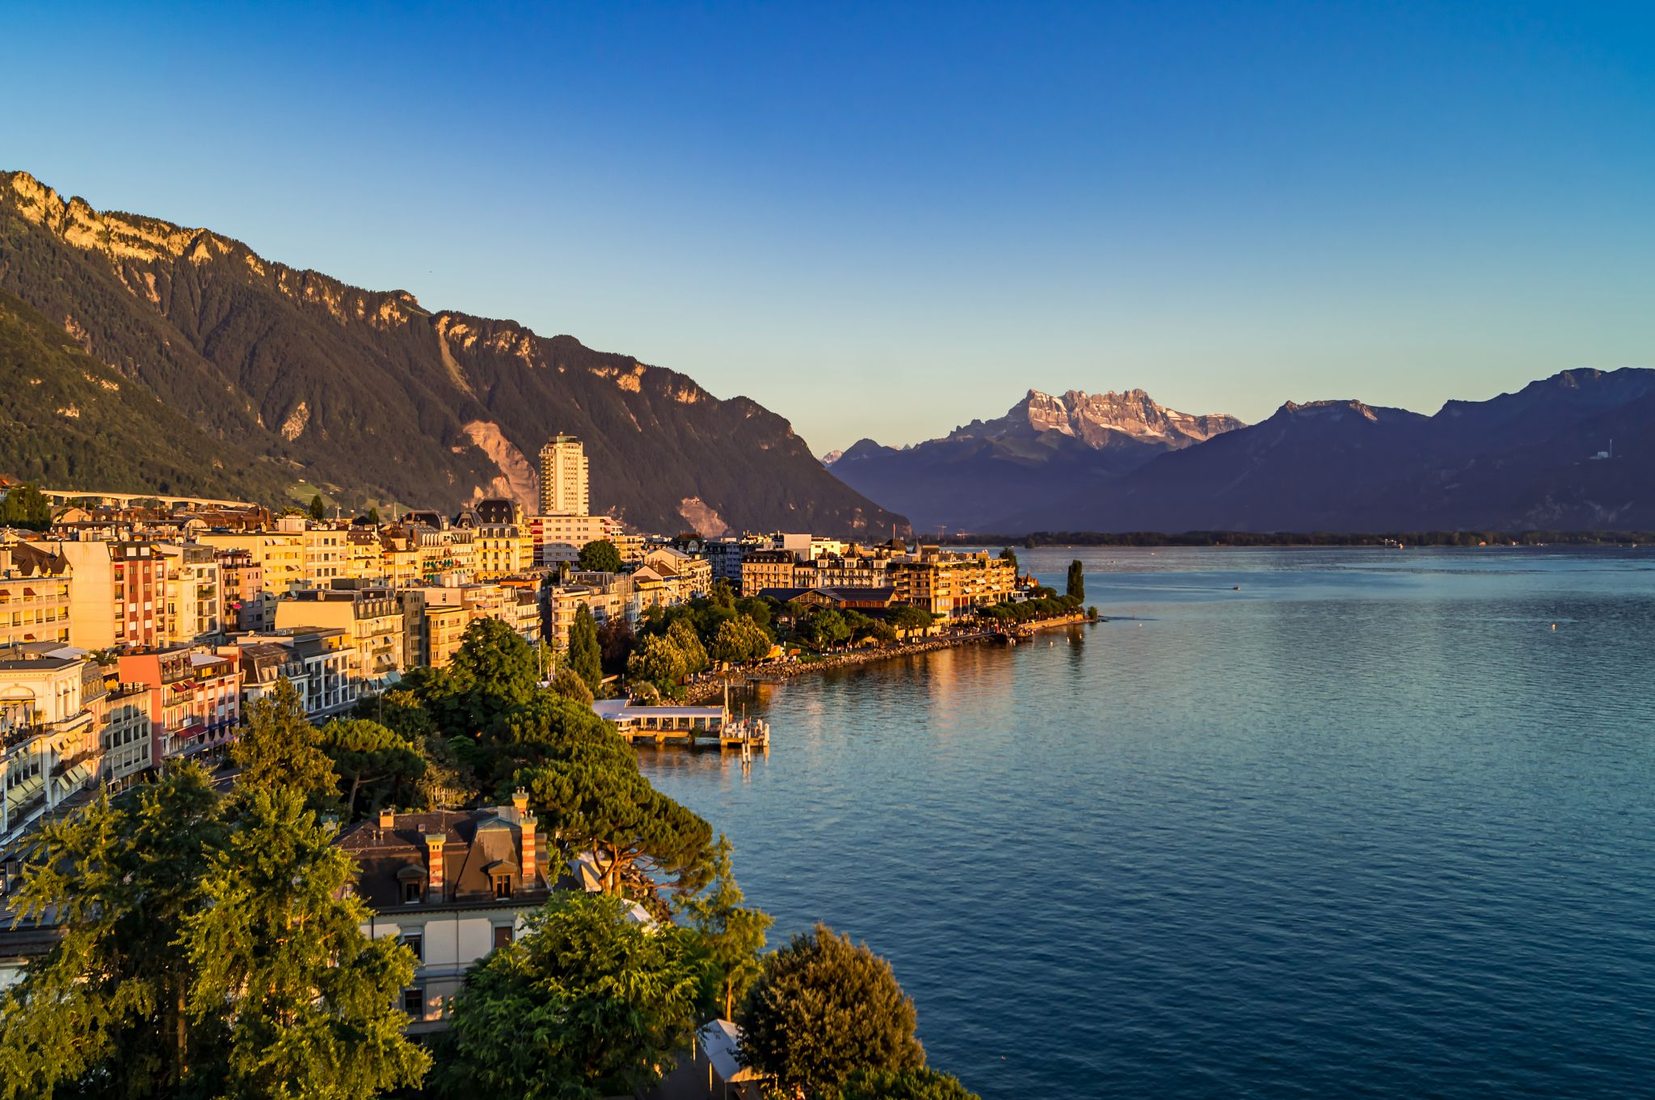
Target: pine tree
278, 952
1076, 589
318, 510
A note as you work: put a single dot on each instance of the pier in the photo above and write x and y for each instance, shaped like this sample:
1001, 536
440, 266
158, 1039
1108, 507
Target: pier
684, 726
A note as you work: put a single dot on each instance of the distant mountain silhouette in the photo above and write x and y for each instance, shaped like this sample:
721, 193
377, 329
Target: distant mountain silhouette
1520, 461
1035, 455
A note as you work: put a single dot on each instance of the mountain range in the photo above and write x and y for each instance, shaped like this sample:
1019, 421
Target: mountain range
141, 355
1572, 452
1043, 451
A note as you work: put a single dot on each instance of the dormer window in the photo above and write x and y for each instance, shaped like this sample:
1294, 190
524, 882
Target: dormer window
502, 885
411, 882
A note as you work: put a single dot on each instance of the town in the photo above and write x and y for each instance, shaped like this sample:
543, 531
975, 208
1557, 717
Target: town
139, 633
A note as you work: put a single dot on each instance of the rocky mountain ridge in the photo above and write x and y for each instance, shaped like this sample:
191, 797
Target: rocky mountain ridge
376, 398
1038, 452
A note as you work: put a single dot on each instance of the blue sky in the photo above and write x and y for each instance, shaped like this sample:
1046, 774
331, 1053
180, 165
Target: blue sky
887, 219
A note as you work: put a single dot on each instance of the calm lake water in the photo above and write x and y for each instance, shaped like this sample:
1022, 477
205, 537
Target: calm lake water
1368, 826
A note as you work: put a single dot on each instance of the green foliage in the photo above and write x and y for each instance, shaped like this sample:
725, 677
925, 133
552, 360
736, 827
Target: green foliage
107, 1003
739, 640
683, 635
586, 1004
571, 685
372, 517
25, 506
1008, 554
730, 934
822, 628
600, 556
376, 766
824, 1008
907, 618
492, 675
658, 662
1040, 607
904, 1084
308, 999
318, 510
279, 748
585, 657
585, 782
615, 644
1076, 587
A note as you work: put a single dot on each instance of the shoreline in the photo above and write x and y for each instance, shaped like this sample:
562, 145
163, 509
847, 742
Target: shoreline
707, 691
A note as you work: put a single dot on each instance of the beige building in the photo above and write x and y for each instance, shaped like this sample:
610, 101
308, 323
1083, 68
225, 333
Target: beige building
952, 584
49, 745
503, 550
559, 538
437, 617
34, 595
194, 596
371, 618
279, 556
563, 478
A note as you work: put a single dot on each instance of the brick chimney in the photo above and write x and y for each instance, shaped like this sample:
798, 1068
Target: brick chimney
520, 799
433, 866
527, 824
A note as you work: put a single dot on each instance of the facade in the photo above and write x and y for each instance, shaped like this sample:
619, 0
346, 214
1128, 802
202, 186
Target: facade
949, 584
194, 600
193, 698
837, 571
451, 884
503, 550
563, 478
125, 732
372, 619
241, 591
761, 569
321, 663
49, 745
34, 595
559, 538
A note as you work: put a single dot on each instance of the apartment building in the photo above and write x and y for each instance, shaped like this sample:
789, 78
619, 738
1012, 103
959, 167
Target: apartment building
371, 618
564, 489
49, 745
34, 595
193, 592
193, 698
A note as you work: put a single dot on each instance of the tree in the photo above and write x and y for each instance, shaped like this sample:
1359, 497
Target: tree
587, 1003
600, 556
108, 1002
615, 643
1008, 554
491, 676
374, 765
824, 628
278, 952
25, 506
584, 655
907, 618
371, 517
740, 640
1076, 589
659, 662
731, 935
587, 786
824, 1008
683, 635
569, 684
318, 510
280, 748
904, 1084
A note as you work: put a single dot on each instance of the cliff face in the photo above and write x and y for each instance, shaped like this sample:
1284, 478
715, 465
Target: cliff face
376, 398
1042, 450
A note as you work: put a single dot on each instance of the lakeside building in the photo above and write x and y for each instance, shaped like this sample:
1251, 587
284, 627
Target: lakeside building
451, 884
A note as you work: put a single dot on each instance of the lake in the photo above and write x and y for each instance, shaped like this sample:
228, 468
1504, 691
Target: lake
1378, 823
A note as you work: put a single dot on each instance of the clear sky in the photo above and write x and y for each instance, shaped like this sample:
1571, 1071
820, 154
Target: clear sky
887, 219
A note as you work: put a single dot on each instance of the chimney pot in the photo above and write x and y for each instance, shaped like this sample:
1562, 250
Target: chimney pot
520, 799
387, 819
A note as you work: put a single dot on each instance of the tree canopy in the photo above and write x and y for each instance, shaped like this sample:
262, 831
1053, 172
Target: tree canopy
585, 656
824, 1008
731, 934
25, 506
280, 748
1076, 586
375, 765
600, 556
587, 1003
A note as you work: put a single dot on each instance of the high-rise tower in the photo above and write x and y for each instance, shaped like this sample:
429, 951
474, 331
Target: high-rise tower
563, 489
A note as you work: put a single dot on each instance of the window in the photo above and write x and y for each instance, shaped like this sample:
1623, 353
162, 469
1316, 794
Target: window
413, 1002
502, 886
502, 935
415, 942
411, 891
